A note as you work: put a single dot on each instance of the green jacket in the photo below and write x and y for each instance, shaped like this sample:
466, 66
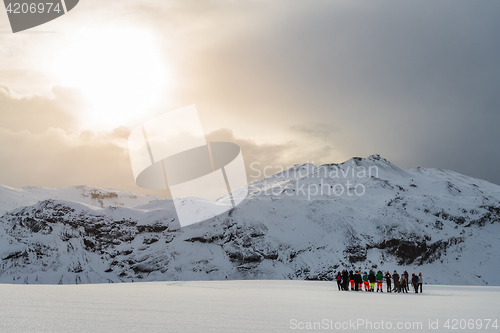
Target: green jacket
365, 277
379, 276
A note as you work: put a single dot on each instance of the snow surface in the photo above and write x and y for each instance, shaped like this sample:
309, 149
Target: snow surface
11, 198
235, 306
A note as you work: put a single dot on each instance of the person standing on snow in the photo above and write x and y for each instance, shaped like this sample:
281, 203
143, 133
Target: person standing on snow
414, 282
395, 278
420, 281
345, 280
357, 281
365, 281
339, 280
379, 278
351, 279
404, 283
388, 281
372, 279
405, 273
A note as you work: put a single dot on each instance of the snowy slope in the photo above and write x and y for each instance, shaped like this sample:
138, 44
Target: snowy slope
11, 198
291, 226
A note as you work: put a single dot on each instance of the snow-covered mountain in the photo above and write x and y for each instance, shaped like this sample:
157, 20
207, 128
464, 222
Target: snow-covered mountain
303, 223
11, 198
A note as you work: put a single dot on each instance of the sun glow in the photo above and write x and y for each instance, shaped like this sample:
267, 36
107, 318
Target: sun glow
119, 71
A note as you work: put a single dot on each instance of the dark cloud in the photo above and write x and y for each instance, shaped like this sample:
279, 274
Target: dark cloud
414, 81
295, 81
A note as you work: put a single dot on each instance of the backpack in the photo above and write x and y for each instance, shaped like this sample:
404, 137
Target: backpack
339, 277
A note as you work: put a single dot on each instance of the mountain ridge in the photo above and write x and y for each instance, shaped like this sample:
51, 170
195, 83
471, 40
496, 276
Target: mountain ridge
290, 226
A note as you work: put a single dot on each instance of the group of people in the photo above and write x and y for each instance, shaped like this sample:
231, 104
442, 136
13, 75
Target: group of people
358, 281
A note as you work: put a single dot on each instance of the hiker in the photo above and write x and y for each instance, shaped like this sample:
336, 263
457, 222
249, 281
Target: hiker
357, 281
351, 279
339, 280
420, 281
404, 283
405, 273
365, 281
388, 281
379, 277
345, 280
372, 279
414, 282
395, 278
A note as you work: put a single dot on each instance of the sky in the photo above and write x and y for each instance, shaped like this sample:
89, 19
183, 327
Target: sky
289, 81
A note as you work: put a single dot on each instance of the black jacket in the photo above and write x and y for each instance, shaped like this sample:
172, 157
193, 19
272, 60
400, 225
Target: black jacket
371, 277
345, 276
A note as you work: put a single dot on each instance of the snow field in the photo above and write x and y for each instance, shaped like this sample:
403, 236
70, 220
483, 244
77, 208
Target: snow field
239, 306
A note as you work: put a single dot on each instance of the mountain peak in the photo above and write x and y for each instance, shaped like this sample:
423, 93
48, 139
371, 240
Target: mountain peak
377, 157
371, 158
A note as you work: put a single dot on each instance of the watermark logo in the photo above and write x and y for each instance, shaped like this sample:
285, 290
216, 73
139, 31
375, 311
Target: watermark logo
309, 182
32, 13
205, 179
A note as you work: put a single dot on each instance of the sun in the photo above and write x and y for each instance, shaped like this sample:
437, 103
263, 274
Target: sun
120, 71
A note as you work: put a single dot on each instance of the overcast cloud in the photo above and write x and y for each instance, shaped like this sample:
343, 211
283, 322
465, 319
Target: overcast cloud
289, 81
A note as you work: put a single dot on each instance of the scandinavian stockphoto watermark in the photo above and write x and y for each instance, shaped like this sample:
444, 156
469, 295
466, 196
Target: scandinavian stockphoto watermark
368, 325
25, 15
205, 179
357, 325
311, 182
